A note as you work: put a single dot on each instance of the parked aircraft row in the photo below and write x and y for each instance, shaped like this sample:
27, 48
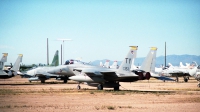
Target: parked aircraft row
101, 77
181, 71
108, 77
107, 64
169, 71
4, 74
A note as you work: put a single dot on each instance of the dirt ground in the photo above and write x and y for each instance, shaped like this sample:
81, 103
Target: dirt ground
18, 95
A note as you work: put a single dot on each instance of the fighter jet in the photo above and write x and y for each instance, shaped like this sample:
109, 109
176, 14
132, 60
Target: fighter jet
110, 78
182, 66
177, 72
114, 65
4, 74
106, 64
195, 72
66, 70
40, 73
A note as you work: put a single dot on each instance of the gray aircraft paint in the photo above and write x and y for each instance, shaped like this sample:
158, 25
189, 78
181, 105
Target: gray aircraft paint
13, 71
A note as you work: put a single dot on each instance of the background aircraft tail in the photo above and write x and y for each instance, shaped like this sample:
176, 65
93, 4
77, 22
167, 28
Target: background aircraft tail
114, 65
17, 63
126, 63
3, 59
55, 61
101, 64
170, 65
181, 64
107, 64
149, 63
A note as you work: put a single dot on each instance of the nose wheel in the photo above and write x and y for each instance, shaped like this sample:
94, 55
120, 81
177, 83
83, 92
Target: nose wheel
198, 85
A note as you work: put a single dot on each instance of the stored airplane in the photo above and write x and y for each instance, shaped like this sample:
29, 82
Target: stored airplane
66, 70
114, 65
172, 71
40, 73
195, 72
106, 64
4, 74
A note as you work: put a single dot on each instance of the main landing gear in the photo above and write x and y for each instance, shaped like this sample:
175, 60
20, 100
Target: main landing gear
100, 87
198, 85
176, 79
65, 81
185, 78
42, 81
78, 87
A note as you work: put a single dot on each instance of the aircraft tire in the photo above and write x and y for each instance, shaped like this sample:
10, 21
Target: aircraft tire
100, 87
78, 87
65, 80
116, 88
198, 85
42, 81
176, 79
185, 79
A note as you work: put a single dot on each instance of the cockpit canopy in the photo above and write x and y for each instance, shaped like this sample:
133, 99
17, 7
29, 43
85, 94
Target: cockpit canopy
72, 61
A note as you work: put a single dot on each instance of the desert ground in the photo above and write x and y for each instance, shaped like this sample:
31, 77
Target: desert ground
18, 95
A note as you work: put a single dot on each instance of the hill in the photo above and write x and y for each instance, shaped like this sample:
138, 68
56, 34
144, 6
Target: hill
173, 59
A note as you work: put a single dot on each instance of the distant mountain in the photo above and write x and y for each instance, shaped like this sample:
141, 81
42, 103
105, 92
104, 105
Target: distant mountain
173, 59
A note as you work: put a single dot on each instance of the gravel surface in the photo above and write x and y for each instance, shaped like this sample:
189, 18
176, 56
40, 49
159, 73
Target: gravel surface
18, 95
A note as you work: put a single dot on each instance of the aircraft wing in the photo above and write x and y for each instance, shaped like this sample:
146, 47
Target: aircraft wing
47, 75
39, 75
175, 73
93, 72
162, 77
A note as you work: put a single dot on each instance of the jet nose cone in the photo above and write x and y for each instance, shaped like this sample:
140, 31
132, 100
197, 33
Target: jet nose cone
74, 78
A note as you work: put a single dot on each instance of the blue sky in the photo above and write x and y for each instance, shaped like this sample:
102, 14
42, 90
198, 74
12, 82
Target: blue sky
99, 29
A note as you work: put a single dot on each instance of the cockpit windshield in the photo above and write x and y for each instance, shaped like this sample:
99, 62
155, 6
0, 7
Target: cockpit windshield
72, 61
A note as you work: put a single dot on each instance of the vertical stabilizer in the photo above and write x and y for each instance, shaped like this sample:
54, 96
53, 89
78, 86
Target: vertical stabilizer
55, 61
150, 61
101, 64
170, 65
3, 59
126, 64
17, 63
107, 63
181, 64
114, 65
